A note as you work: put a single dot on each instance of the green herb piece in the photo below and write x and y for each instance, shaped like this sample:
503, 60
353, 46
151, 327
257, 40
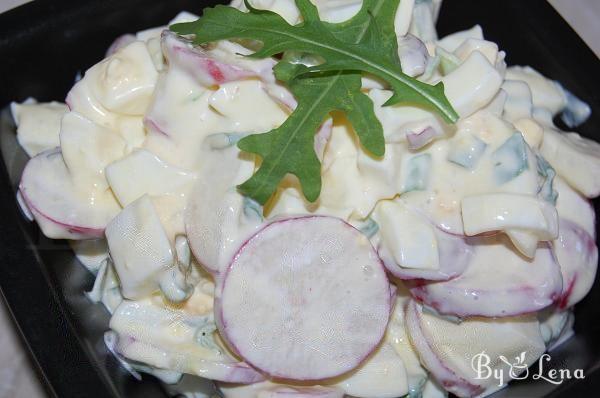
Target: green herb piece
416, 172
375, 51
365, 43
290, 147
510, 159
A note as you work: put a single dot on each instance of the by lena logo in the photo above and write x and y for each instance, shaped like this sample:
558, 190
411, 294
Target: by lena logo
518, 369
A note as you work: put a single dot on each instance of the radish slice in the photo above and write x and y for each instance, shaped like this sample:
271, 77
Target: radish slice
383, 375
23, 206
90, 253
575, 158
269, 389
451, 351
413, 55
61, 209
556, 326
207, 70
301, 392
422, 138
87, 148
472, 85
454, 254
397, 337
411, 247
119, 85
217, 218
168, 338
318, 304
141, 172
442, 373
140, 248
285, 98
38, 124
573, 206
501, 212
322, 137
119, 43
577, 255
282, 96
498, 283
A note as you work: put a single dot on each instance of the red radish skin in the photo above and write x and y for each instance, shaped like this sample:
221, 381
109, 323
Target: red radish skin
228, 372
200, 64
214, 218
322, 138
61, 213
269, 389
422, 138
577, 254
119, 43
454, 254
77, 232
444, 375
301, 392
282, 96
508, 291
154, 126
348, 325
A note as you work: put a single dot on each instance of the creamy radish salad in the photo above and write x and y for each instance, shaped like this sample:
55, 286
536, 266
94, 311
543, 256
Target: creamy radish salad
466, 236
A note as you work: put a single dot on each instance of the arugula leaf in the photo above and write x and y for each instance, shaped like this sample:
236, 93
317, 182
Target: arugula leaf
290, 147
334, 85
375, 51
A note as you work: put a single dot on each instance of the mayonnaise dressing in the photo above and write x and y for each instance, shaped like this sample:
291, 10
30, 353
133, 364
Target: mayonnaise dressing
147, 140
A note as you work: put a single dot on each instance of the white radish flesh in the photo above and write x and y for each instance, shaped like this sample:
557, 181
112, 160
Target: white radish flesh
546, 93
206, 69
322, 138
38, 125
88, 148
575, 158
487, 48
472, 85
383, 375
273, 390
501, 212
167, 338
397, 337
450, 350
139, 247
413, 55
573, 206
577, 255
124, 82
318, 304
216, 222
90, 253
409, 241
498, 282
301, 392
61, 209
119, 43
454, 40
454, 254
420, 139
407, 236
142, 172
448, 378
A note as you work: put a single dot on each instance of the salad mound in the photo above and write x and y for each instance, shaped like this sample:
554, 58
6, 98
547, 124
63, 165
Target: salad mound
282, 198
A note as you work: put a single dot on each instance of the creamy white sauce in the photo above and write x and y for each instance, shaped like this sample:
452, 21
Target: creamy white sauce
147, 140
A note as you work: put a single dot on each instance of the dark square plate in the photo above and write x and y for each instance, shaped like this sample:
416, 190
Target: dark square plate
42, 47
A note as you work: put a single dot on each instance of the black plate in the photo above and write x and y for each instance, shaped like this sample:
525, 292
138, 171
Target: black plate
42, 47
